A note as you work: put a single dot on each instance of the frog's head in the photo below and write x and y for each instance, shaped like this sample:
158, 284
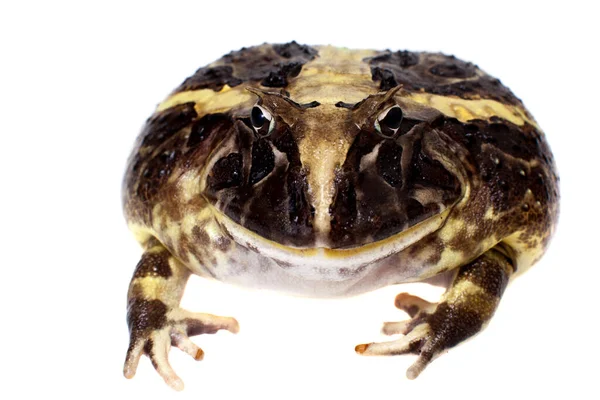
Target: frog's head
334, 174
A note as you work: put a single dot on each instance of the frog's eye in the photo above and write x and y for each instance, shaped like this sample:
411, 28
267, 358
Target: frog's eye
388, 122
262, 120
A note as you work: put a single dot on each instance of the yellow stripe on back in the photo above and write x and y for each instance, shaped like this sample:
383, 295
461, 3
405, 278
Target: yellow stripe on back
208, 101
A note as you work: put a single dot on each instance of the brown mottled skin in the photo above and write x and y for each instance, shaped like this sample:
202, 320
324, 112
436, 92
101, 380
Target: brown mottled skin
331, 172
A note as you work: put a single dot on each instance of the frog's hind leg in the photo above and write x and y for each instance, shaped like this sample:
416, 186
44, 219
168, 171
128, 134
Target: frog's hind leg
155, 319
464, 310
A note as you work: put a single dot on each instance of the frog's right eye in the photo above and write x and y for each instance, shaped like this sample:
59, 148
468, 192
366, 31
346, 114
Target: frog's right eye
262, 121
388, 122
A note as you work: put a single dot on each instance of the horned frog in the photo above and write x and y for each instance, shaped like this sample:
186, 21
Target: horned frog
331, 172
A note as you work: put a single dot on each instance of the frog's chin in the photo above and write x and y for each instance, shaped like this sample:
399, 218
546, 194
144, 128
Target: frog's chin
320, 255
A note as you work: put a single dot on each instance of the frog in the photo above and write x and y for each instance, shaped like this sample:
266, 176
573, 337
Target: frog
329, 172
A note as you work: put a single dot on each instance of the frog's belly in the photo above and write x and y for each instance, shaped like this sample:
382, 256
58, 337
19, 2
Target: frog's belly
314, 276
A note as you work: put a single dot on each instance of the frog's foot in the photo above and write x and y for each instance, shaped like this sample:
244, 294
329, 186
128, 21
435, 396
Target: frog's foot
153, 330
463, 311
419, 337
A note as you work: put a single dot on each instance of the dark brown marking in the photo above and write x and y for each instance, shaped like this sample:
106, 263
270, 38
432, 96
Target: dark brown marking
386, 77
161, 126
154, 265
144, 316
388, 163
148, 346
341, 104
282, 189
227, 172
412, 310
297, 207
205, 126
200, 247
487, 273
153, 160
452, 323
194, 327
210, 78
412, 304
279, 77
157, 171
376, 201
312, 104
401, 58
489, 141
453, 69
272, 65
344, 209
428, 172
222, 243
149, 351
263, 161
415, 211
293, 49
436, 73
283, 264
200, 235
300, 210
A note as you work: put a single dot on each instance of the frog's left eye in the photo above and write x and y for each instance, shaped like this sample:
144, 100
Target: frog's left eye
262, 120
388, 122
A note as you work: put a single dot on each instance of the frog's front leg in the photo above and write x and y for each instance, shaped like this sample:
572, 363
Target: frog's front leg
463, 311
155, 319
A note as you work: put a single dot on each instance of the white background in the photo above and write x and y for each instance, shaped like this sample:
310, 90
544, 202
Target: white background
78, 80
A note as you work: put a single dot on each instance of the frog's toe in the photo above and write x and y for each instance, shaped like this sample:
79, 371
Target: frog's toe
395, 328
181, 340
413, 305
134, 353
417, 340
199, 323
156, 346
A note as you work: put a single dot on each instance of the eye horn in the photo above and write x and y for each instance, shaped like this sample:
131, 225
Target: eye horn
262, 121
388, 122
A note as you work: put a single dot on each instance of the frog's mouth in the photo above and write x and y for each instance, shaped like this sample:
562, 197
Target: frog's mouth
349, 258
